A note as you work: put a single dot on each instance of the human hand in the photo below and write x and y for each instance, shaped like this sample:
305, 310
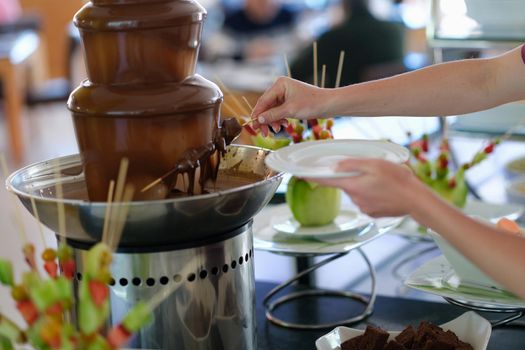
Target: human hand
288, 98
382, 188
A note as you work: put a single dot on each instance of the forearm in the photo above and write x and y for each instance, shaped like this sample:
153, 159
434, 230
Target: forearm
497, 253
445, 89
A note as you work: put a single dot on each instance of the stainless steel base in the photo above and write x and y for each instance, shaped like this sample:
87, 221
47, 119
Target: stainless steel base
213, 306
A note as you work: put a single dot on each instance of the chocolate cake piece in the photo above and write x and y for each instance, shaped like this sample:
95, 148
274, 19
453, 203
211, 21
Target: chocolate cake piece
352, 344
394, 345
437, 344
406, 337
425, 332
373, 339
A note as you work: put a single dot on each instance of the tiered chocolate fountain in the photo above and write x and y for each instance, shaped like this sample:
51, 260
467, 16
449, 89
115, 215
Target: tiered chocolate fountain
143, 102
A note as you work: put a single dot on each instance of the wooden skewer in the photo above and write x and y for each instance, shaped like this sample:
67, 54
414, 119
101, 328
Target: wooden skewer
316, 79
60, 204
234, 98
122, 213
340, 69
288, 71
119, 190
247, 103
231, 110
323, 76
18, 215
39, 224
107, 214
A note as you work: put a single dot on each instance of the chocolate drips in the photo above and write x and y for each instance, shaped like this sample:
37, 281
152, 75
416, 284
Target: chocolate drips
206, 158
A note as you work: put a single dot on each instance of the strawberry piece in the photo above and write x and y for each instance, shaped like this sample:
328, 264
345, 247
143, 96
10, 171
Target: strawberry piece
452, 183
99, 292
28, 311
489, 149
51, 268
296, 137
250, 130
290, 129
317, 131
55, 309
68, 268
313, 122
118, 336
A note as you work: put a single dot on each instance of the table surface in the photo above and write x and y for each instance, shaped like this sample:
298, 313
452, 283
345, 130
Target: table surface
390, 313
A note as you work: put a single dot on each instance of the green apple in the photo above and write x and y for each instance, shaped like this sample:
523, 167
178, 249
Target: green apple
311, 204
269, 142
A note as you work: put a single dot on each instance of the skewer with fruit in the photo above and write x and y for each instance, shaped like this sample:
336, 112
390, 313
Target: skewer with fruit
437, 173
44, 301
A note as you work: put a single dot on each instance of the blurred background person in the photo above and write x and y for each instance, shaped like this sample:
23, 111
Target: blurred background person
374, 48
257, 30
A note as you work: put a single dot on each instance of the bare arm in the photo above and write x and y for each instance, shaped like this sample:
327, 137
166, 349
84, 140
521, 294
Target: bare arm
445, 89
499, 254
387, 189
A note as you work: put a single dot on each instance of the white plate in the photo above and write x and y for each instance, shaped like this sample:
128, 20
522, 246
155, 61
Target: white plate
488, 211
318, 159
347, 221
438, 277
265, 237
469, 327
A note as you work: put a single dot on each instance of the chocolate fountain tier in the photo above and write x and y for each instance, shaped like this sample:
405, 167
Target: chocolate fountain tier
244, 186
140, 41
153, 126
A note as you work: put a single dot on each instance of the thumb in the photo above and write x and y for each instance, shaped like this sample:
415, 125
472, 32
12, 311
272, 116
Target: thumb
274, 114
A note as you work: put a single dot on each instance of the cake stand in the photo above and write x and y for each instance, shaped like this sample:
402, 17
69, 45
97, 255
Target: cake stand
330, 247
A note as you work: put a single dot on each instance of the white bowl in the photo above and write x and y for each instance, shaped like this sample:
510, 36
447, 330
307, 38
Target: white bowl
469, 327
464, 268
515, 190
515, 168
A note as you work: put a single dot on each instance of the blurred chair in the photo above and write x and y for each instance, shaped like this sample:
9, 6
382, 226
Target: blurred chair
19, 41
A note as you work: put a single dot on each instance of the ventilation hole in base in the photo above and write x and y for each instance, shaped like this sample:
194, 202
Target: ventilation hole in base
150, 282
234, 264
79, 276
112, 282
246, 257
241, 260
191, 277
136, 281
123, 282
203, 274
251, 253
225, 268
164, 280
177, 278
215, 271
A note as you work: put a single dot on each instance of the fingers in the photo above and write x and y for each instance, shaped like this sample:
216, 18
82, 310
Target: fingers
272, 97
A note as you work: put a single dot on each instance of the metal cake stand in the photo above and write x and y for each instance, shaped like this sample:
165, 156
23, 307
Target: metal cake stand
333, 248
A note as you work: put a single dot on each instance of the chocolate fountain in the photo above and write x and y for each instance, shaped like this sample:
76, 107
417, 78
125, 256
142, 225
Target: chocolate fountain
192, 231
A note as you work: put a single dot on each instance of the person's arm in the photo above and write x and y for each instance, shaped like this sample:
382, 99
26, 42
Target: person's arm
450, 88
387, 189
